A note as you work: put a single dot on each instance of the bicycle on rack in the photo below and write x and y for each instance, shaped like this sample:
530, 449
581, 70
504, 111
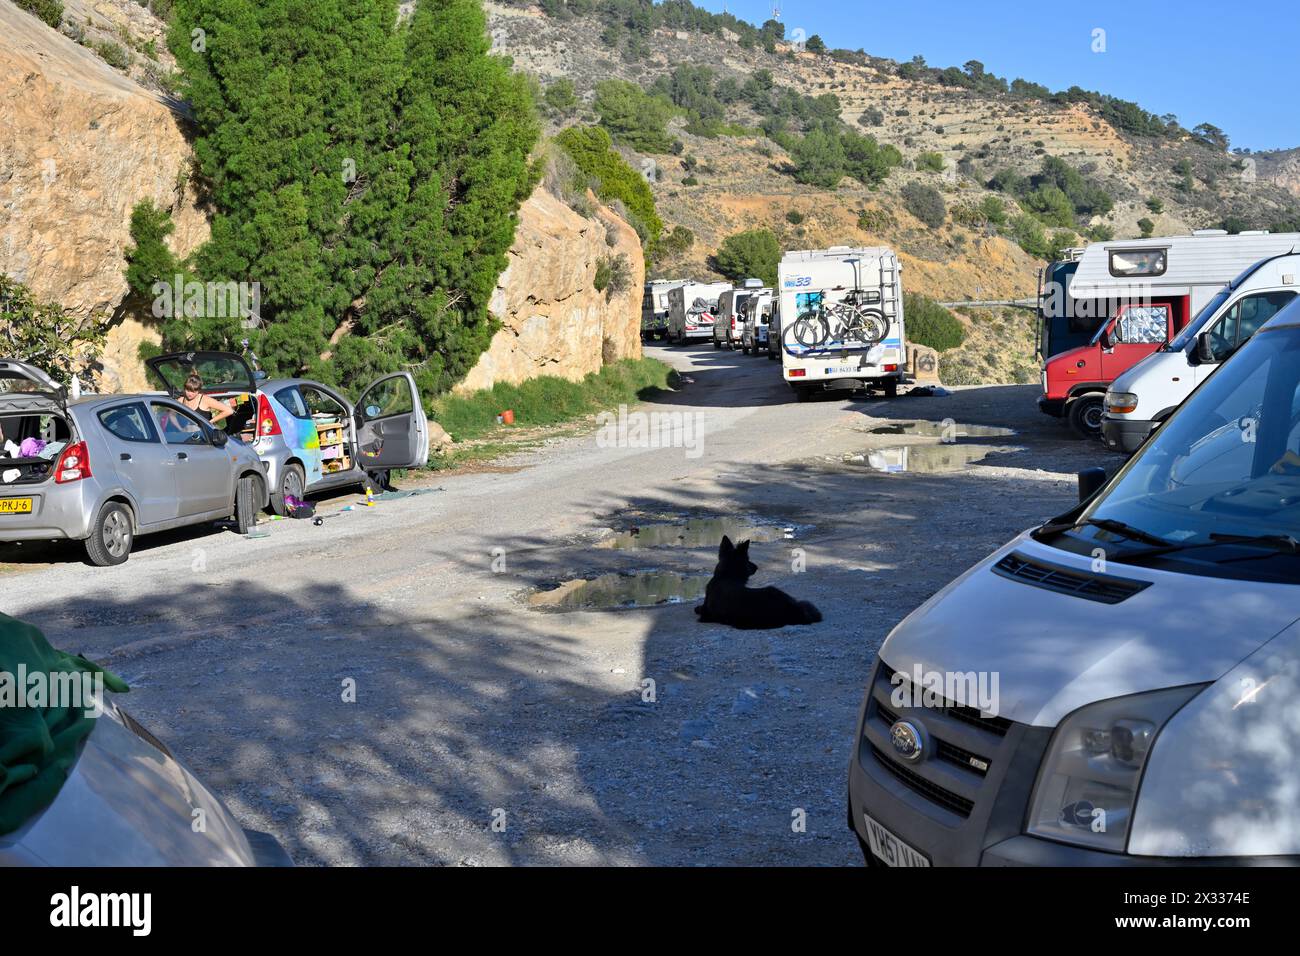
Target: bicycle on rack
847, 321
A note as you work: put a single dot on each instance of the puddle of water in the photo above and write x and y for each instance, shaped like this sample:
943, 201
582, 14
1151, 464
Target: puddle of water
927, 459
694, 533
948, 431
637, 589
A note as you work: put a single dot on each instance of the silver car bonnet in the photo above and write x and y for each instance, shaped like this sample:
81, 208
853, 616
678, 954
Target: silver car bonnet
126, 803
1053, 653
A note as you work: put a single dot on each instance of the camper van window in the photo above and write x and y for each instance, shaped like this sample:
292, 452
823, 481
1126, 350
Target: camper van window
1139, 262
1147, 324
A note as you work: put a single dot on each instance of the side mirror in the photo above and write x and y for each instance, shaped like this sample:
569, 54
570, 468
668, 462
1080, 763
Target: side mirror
1107, 341
1090, 482
219, 438
1205, 349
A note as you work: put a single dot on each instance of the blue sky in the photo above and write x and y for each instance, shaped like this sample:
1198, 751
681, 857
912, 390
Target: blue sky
1230, 64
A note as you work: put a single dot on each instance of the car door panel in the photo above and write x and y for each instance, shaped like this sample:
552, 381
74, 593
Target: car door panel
204, 473
143, 463
391, 427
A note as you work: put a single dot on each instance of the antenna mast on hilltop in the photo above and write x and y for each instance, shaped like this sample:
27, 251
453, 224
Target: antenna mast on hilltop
776, 11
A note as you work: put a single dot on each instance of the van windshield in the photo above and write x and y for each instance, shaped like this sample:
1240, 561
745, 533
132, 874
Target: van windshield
1193, 328
1226, 466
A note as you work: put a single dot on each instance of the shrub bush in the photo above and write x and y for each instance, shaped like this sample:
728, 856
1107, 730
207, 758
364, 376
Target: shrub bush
51, 11
930, 324
925, 203
754, 253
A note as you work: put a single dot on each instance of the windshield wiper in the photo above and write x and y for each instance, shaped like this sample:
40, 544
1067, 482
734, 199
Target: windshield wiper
1127, 530
1274, 542
1106, 524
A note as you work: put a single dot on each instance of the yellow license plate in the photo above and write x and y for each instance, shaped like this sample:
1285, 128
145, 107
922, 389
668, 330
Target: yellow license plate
15, 506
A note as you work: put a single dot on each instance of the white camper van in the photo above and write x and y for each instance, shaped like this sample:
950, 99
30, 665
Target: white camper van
842, 320
1148, 393
692, 308
729, 325
654, 307
755, 318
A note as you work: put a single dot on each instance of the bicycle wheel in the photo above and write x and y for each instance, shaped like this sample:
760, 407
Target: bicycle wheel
810, 330
867, 326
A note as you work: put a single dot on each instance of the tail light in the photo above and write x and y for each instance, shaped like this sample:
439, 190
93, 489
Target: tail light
797, 373
74, 464
267, 423
891, 368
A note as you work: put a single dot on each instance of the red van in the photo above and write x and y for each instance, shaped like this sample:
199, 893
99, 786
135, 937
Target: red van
1075, 381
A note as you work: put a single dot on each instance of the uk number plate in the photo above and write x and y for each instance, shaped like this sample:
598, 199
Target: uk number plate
889, 848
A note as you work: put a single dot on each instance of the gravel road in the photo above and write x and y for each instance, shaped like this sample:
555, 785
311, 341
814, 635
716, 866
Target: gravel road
486, 730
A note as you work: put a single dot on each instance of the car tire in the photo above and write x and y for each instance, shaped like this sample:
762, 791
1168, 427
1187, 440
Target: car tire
246, 498
716, 343
1084, 414
112, 536
293, 481
802, 394
891, 388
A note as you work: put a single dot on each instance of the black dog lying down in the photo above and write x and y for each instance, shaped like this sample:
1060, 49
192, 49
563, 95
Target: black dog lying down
728, 601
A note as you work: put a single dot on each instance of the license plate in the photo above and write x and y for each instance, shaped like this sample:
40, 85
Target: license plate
15, 506
843, 370
889, 849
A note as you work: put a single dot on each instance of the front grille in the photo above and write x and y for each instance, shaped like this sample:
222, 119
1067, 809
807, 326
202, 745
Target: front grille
1103, 588
963, 757
932, 791
944, 749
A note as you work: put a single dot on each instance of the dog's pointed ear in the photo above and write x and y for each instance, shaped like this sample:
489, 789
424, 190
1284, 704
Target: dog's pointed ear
725, 548
742, 549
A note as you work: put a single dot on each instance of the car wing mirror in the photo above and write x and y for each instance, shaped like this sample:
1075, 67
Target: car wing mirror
219, 438
1090, 482
1205, 349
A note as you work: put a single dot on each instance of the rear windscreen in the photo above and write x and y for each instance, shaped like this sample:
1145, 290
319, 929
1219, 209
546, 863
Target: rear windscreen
218, 373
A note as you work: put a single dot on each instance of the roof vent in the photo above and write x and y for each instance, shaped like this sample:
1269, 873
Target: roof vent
1209, 232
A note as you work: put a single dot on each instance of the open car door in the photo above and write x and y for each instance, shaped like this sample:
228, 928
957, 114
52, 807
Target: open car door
392, 430
222, 372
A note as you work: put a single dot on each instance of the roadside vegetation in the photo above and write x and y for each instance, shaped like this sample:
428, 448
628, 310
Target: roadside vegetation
45, 334
548, 400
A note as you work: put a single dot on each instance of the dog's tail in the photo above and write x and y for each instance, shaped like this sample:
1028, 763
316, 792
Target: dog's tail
810, 613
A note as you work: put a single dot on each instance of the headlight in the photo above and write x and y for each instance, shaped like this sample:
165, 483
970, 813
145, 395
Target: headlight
1089, 781
1121, 403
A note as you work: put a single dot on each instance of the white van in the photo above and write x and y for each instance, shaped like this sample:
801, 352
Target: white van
727, 326
692, 308
1120, 686
842, 325
1148, 393
755, 318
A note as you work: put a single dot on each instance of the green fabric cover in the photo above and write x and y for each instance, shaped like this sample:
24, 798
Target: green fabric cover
38, 745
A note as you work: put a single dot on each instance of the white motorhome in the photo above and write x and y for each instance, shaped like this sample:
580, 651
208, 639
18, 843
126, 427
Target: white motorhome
654, 307
1144, 292
755, 318
842, 319
691, 310
1148, 393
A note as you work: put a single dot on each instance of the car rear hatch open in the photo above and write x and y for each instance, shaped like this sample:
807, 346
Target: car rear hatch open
222, 373
28, 398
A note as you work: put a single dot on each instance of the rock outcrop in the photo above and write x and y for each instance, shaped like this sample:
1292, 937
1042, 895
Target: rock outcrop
554, 319
82, 145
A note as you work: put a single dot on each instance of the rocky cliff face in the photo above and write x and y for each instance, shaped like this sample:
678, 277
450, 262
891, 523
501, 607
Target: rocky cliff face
555, 321
82, 145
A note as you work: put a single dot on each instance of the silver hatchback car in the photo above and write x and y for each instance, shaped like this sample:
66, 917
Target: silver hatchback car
310, 437
104, 469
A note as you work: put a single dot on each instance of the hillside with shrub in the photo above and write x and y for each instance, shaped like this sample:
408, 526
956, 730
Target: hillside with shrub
975, 179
